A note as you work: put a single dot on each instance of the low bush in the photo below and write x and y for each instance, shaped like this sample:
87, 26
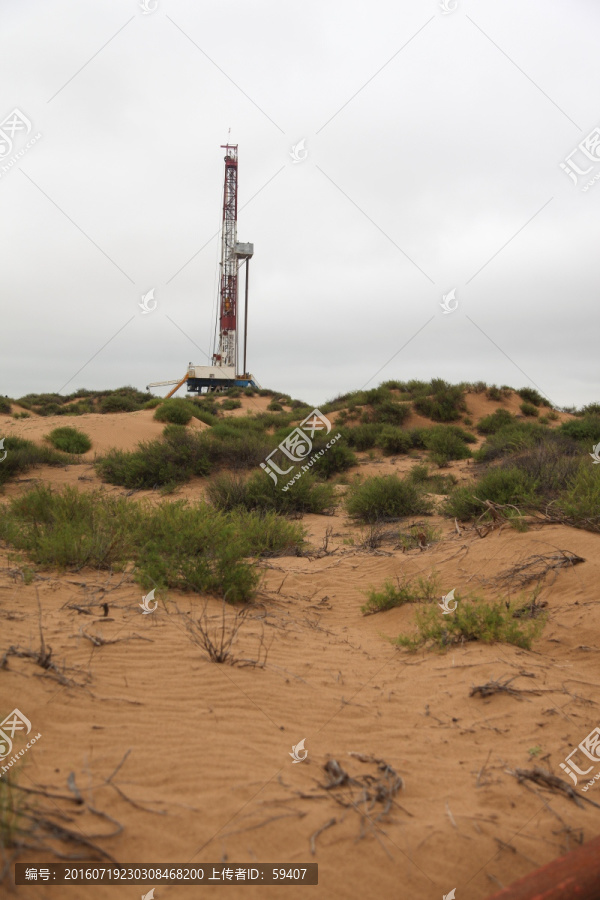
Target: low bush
528, 409
230, 403
4, 406
385, 497
392, 595
152, 404
260, 492
586, 428
335, 459
388, 412
532, 396
364, 437
394, 440
500, 418
511, 439
446, 443
118, 403
475, 620
434, 484
510, 485
23, 455
173, 545
420, 535
447, 403
177, 411
70, 440
161, 463
580, 501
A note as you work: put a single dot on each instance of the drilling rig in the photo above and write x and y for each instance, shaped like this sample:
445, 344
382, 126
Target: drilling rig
224, 371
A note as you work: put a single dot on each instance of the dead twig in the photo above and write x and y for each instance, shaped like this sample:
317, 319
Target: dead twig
552, 782
319, 831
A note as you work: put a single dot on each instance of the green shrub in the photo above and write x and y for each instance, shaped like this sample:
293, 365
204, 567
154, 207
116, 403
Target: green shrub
226, 444
447, 404
274, 406
152, 404
337, 458
260, 492
70, 440
173, 545
364, 437
394, 440
435, 484
21, 415
475, 620
580, 501
5, 406
230, 403
510, 485
385, 497
161, 463
446, 443
585, 429
528, 409
500, 418
532, 396
22, 455
388, 412
419, 535
392, 595
177, 411
494, 393
510, 439
114, 403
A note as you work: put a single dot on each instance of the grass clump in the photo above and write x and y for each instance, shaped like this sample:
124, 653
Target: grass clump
530, 395
259, 492
117, 403
394, 440
434, 484
70, 440
580, 501
419, 536
392, 595
173, 545
385, 497
586, 428
475, 620
500, 418
4, 406
528, 409
446, 442
509, 485
388, 412
22, 455
446, 403
177, 411
176, 458
365, 436
231, 403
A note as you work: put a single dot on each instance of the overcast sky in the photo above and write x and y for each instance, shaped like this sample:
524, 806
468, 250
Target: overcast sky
431, 163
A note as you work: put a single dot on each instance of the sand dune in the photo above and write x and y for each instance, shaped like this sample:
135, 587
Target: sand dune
209, 770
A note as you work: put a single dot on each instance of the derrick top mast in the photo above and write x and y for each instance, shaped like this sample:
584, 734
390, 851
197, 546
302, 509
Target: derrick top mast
226, 354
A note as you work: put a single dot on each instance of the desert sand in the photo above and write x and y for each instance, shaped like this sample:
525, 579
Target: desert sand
208, 776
